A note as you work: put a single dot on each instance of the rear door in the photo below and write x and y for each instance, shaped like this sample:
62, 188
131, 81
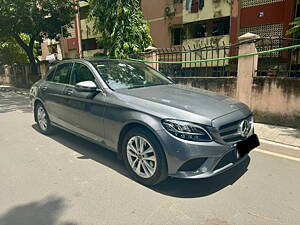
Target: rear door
53, 92
85, 109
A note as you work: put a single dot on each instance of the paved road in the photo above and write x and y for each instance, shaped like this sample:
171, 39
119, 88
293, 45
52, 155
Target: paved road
66, 180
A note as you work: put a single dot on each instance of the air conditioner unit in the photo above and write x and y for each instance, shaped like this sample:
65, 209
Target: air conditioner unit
170, 10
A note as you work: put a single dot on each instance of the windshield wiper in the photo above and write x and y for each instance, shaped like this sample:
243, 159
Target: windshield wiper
150, 85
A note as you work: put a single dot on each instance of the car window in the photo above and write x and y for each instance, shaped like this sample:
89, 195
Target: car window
121, 75
81, 73
50, 75
62, 73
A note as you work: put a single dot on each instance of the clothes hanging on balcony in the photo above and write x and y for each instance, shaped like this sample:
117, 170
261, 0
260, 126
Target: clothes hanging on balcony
195, 6
188, 5
201, 4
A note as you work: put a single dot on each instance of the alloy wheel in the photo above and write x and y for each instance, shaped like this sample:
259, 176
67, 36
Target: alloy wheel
42, 118
141, 157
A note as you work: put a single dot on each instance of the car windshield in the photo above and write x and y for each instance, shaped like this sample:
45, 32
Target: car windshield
121, 75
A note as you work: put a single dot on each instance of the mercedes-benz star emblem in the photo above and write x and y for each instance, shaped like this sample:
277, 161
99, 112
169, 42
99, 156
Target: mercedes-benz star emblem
244, 128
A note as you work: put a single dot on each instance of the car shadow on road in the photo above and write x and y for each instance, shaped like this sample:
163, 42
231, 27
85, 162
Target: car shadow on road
45, 211
180, 188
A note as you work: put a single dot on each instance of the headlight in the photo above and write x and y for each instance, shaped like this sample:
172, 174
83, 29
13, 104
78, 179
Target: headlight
186, 130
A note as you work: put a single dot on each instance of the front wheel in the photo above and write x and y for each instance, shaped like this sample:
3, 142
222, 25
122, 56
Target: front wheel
144, 157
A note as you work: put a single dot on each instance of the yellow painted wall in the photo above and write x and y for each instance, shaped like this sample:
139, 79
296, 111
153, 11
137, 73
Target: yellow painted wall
82, 4
87, 31
91, 53
217, 40
212, 9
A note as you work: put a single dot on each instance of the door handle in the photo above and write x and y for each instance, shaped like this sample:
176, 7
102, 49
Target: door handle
69, 92
44, 88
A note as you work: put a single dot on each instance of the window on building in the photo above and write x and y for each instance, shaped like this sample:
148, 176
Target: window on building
298, 10
196, 30
208, 28
52, 49
177, 36
84, 12
89, 44
220, 27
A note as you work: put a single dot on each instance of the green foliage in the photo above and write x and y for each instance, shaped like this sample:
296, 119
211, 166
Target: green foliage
11, 52
295, 30
37, 19
122, 26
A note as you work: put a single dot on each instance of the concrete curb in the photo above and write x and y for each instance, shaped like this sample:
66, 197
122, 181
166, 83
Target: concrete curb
263, 140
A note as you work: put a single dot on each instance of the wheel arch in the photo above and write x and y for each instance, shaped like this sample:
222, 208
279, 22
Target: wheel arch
136, 124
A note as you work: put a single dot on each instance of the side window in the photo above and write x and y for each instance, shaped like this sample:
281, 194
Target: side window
62, 74
50, 75
81, 73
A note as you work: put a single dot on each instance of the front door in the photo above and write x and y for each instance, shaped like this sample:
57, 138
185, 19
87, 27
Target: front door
85, 109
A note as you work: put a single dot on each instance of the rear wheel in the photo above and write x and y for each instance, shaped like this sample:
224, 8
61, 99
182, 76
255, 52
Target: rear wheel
42, 119
144, 157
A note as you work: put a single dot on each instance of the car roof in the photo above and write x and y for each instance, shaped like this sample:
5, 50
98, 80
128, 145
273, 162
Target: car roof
94, 59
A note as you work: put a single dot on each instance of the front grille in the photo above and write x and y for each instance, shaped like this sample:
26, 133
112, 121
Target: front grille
230, 132
230, 157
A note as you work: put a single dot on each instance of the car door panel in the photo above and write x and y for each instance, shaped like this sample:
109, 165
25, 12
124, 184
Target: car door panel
85, 109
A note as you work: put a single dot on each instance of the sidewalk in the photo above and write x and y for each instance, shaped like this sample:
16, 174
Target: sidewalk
282, 135
20, 91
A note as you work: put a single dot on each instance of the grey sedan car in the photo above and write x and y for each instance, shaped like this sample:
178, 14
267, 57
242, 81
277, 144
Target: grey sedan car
156, 127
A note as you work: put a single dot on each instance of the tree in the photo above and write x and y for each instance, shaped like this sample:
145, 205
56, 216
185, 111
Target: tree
11, 52
122, 26
38, 19
295, 30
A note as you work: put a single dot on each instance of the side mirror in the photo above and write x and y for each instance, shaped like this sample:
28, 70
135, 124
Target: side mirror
86, 86
171, 79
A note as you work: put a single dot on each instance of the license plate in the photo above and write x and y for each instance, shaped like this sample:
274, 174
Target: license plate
244, 147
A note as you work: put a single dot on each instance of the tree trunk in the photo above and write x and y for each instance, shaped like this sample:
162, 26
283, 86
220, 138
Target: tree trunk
34, 76
34, 67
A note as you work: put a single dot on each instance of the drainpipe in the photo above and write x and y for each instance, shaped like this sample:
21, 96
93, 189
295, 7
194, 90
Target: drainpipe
234, 24
78, 30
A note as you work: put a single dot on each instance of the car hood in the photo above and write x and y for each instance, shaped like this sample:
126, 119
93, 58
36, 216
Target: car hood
197, 101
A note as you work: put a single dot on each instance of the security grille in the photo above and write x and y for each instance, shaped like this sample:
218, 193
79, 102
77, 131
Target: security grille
271, 30
250, 3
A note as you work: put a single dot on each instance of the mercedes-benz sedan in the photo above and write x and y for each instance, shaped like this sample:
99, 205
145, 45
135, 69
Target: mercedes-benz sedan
158, 128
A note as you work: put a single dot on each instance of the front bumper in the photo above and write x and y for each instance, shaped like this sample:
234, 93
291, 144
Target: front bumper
209, 165
207, 158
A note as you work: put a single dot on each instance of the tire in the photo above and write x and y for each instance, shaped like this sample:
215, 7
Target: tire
42, 119
146, 165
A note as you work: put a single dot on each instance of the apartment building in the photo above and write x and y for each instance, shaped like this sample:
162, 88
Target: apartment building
187, 23
81, 41
266, 17
165, 19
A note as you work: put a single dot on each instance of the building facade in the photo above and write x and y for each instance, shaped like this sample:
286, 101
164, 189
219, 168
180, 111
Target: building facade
266, 17
165, 19
184, 23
